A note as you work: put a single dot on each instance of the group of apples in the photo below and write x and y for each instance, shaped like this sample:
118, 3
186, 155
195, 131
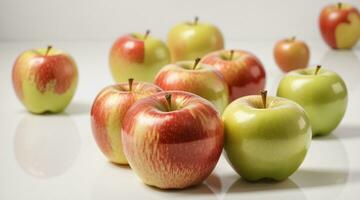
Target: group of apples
177, 105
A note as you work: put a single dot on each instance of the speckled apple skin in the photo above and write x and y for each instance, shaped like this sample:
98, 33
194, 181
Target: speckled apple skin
107, 115
245, 74
173, 149
334, 26
45, 83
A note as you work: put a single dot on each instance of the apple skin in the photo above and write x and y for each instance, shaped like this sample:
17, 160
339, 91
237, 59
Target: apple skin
323, 96
137, 56
172, 148
291, 54
107, 115
204, 81
340, 25
268, 143
244, 73
191, 40
45, 83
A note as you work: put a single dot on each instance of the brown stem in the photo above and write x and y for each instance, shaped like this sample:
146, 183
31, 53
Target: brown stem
196, 20
168, 100
49, 47
197, 60
131, 80
293, 38
263, 97
339, 5
231, 54
146, 34
318, 67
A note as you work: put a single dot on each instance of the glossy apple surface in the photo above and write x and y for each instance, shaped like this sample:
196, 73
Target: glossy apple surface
323, 96
45, 79
340, 25
172, 146
291, 54
190, 40
243, 71
265, 143
138, 56
107, 115
204, 81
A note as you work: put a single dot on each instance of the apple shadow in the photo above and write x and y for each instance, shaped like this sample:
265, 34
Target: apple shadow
78, 108
342, 132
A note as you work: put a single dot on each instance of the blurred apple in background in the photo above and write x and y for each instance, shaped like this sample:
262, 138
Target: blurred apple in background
340, 25
291, 54
45, 79
138, 56
197, 78
107, 115
172, 139
265, 137
190, 40
243, 71
322, 93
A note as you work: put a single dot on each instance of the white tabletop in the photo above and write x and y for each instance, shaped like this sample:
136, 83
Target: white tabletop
56, 157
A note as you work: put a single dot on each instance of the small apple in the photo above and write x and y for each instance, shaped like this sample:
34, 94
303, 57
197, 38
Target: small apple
107, 115
322, 93
197, 78
340, 25
172, 139
45, 79
265, 137
291, 54
138, 56
243, 71
190, 40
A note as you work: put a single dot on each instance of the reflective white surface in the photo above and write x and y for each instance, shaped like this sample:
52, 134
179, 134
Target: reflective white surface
55, 156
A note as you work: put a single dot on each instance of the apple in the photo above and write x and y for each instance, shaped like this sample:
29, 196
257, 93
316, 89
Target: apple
172, 139
138, 56
291, 54
322, 93
243, 71
190, 40
45, 79
197, 78
340, 25
265, 137
107, 115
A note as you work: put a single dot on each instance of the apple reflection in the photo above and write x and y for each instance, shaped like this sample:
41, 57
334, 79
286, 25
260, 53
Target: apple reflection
46, 145
345, 63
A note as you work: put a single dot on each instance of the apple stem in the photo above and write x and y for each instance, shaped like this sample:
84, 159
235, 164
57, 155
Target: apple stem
263, 97
197, 60
231, 54
146, 34
196, 20
49, 47
293, 38
339, 5
168, 100
131, 80
318, 67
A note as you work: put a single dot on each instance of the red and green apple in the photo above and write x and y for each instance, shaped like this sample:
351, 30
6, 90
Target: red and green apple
45, 79
107, 115
138, 56
172, 139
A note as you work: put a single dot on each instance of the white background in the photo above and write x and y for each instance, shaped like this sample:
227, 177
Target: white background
48, 20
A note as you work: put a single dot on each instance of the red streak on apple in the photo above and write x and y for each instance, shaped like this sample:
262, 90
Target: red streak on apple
57, 69
330, 17
130, 48
16, 78
177, 148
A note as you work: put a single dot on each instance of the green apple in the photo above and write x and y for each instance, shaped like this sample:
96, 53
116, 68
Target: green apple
138, 56
45, 79
265, 137
190, 40
322, 93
